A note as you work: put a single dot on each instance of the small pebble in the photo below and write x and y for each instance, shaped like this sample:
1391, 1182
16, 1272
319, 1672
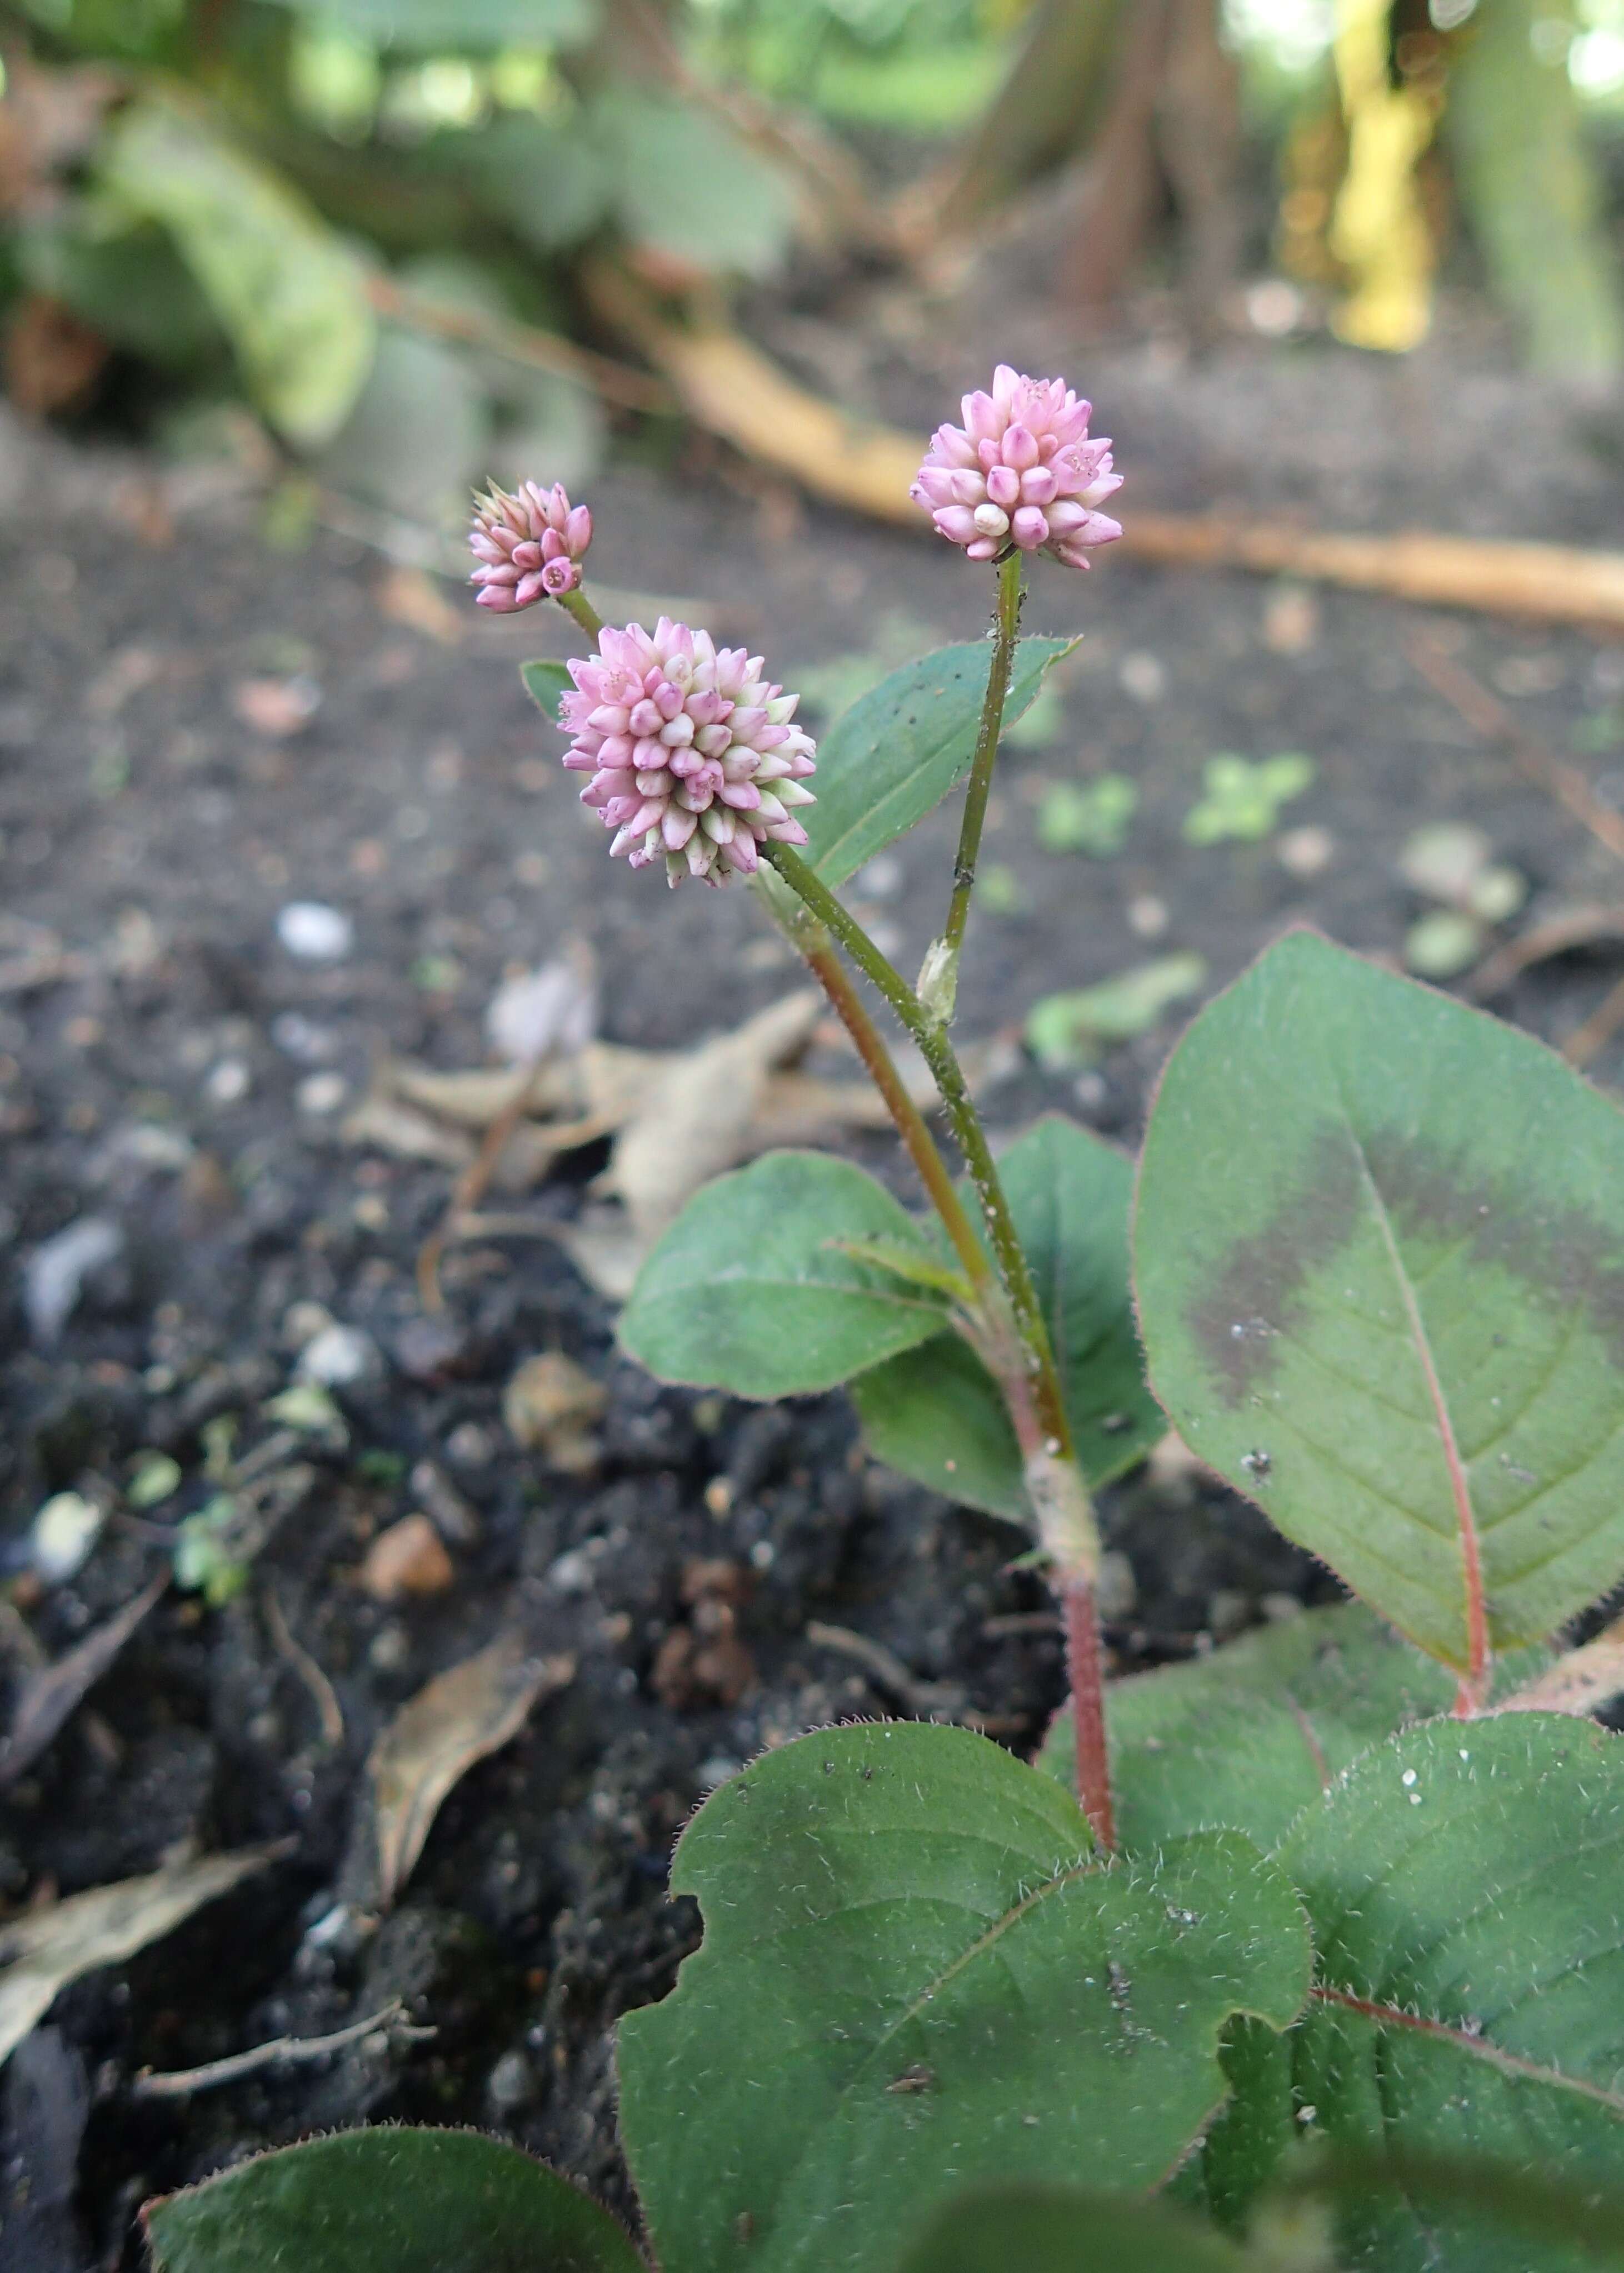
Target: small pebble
303, 1040
511, 2084
229, 1083
340, 1356
321, 1093
408, 1558
1146, 916
1305, 851
549, 1406
432, 1350
314, 933
452, 1517
64, 1531
302, 1322
1142, 676
55, 1274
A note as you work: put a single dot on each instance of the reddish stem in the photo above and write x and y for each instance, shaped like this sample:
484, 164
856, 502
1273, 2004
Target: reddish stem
1084, 1661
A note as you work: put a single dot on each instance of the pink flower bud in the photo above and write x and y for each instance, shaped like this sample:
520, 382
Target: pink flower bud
682, 740
529, 544
1023, 469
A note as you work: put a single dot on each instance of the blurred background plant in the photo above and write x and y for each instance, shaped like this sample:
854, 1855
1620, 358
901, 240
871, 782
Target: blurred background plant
390, 239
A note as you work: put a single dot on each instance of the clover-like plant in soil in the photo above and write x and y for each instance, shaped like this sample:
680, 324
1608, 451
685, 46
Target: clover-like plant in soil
1308, 1955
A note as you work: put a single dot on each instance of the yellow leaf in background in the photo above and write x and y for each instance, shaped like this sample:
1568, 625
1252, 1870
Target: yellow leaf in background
1379, 231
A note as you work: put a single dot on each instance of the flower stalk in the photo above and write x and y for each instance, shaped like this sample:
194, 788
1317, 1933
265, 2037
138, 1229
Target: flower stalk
1027, 1377
939, 982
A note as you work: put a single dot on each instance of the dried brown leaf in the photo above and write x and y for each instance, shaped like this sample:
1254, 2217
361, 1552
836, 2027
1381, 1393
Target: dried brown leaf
49, 1696
461, 1717
384, 1124
695, 1120
1581, 1682
48, 1948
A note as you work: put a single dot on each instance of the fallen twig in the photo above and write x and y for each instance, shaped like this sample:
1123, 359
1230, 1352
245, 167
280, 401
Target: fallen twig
1490, 717
469, 1189
731, 388
944, 1700
323, 1695
1559, 935
1593, 1033
524, 343
279, 2051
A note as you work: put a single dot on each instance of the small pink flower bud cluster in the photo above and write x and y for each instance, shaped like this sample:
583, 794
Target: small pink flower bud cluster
692, 753
1022, 471
529, 544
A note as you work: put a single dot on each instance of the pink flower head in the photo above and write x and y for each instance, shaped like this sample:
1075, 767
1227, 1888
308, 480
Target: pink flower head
529, 544
692, 753
1022, 471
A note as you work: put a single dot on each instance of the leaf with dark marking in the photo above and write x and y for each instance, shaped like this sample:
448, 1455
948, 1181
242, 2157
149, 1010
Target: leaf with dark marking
1379, 1257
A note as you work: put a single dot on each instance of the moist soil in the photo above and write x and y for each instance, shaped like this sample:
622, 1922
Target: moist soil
166, 1066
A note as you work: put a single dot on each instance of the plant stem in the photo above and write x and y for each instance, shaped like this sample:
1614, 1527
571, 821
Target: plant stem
576, 605
814, 941
1006, 629
1029, 1381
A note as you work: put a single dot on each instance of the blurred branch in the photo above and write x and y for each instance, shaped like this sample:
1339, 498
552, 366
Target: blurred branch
844, 205
1045, 109
522, 343
731, 389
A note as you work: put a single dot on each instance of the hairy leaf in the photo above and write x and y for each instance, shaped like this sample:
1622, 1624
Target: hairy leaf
750, 1291
935, 1412
899, 750
388, 2201
1463, 1880
913, 1976
1251, 1735
287, 290
1379, 1259
1060, 2229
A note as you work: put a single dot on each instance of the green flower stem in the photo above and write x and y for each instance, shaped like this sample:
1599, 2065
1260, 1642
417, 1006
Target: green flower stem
1029, 1381
1006, 630
576, 605
813, 941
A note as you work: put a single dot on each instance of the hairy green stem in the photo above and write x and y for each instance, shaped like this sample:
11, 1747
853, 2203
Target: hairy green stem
813, 941
1029, 1380
576, 605
939, 982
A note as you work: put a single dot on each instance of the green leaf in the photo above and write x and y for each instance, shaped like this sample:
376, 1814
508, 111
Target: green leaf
432, 27
290, 293
1251, 1735
749, 1290
935, 1413
133, 287
909, 1980
1462, 1880
1092, 818
898, 751
685, 186
546, 683
1057, 2229
1243, 800
1379, 1260
417, 437
553, 185
388, 2201
1063, 1030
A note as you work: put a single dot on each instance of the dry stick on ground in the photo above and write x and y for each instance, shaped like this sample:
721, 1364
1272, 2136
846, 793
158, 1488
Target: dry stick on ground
281, 2051
467, 1192
731, 388
1490, 718
1578, 928
523, 343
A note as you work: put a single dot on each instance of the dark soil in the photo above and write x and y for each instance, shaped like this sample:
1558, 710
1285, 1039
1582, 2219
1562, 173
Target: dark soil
155, 1040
